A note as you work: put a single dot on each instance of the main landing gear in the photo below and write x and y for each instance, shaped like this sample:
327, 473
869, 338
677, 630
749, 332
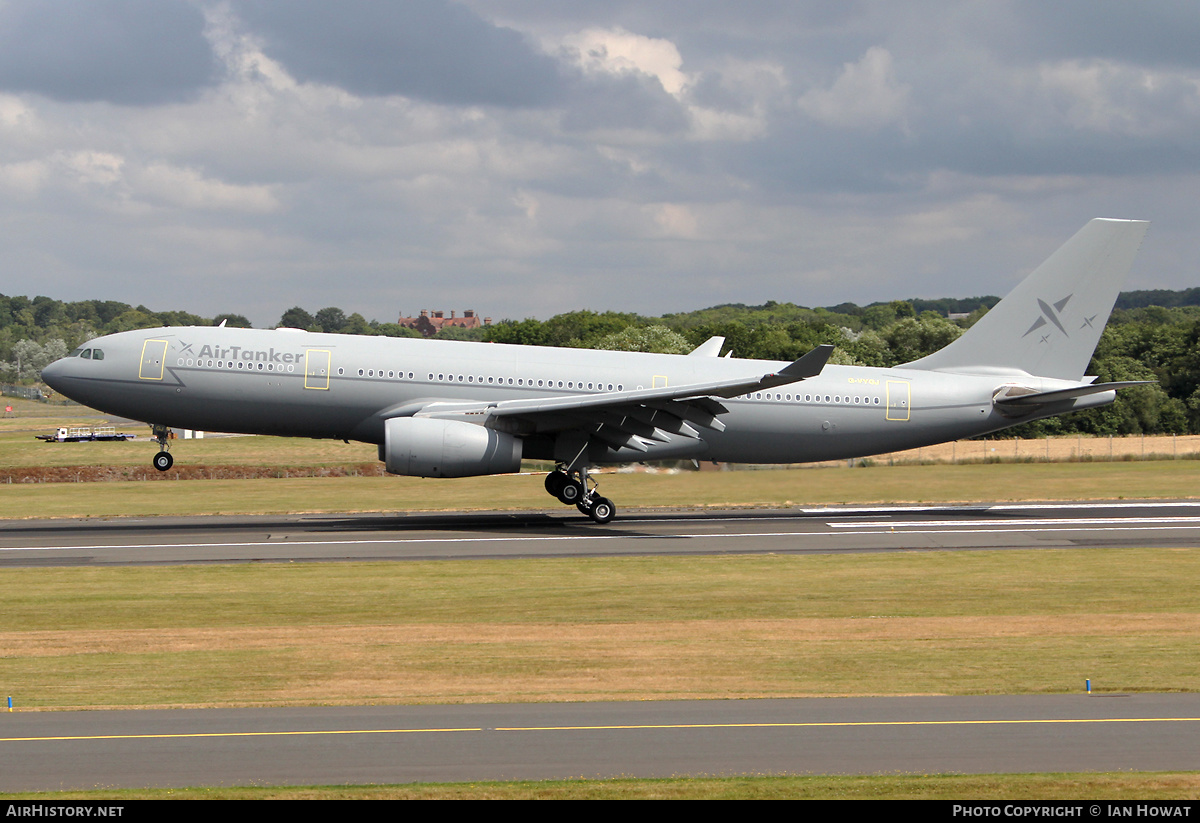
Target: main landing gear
576, 488
163, 460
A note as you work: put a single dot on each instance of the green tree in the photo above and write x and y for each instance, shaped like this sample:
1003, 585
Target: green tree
330, 319
645, 338
297, 318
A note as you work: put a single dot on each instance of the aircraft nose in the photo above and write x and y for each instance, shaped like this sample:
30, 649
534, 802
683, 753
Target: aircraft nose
52, 374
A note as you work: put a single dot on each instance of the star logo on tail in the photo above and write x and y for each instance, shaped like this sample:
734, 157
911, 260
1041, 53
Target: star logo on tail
1050, 314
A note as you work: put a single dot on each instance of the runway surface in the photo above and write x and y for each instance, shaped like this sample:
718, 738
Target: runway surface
60, 750
565, 534
54, 750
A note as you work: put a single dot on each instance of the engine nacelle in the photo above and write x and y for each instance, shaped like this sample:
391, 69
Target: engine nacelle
426, 447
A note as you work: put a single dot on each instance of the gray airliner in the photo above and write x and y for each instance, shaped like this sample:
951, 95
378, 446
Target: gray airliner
456, 409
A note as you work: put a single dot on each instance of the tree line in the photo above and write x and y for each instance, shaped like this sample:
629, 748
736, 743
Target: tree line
1143, 341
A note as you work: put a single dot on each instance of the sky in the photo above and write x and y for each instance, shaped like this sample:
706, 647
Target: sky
524, 157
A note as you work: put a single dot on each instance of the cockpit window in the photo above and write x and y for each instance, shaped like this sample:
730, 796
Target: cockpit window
97, 354
87, 354
76, 353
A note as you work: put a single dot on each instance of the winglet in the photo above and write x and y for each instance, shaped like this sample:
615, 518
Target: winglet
809, 365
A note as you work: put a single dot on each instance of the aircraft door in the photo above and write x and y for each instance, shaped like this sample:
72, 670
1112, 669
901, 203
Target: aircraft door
154, 359
316, 369
899, 399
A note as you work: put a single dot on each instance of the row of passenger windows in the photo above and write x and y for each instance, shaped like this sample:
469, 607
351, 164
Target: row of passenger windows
442, 377
857, 400
392, 374
237, 364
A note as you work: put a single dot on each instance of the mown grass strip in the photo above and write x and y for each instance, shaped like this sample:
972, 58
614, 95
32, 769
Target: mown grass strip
1147, 786
602, 628
768, 488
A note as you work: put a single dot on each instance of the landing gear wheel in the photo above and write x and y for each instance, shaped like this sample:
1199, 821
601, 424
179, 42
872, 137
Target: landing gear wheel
554, 482
163, 461
571, 491
602, 510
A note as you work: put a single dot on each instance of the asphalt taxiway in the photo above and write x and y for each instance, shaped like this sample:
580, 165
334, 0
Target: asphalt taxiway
401, 744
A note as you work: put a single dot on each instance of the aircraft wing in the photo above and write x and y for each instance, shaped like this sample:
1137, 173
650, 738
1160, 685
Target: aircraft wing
620, 418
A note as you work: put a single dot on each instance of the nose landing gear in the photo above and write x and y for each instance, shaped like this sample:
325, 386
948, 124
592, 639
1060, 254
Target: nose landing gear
576, 488
163, 460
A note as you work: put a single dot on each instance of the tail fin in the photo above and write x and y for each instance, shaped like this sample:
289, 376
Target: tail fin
1050, 323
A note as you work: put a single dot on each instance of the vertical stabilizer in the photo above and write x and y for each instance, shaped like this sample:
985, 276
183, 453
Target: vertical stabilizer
1049, 325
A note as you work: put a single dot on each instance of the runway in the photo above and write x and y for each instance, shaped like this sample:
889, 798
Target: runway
401, 744
563, 533
389, 744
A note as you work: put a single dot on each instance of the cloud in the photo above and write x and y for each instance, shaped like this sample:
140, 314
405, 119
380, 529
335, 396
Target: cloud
865, 95
1106, 96
618, 51
189, 189
426, 49
531, 157
128, 52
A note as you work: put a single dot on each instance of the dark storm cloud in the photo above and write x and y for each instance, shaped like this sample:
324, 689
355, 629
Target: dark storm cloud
131, 52
426, 49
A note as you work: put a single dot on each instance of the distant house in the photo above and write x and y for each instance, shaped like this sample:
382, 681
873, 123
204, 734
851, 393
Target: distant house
430, 323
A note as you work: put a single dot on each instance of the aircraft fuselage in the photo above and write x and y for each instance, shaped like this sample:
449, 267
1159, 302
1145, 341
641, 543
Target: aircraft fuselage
300, 384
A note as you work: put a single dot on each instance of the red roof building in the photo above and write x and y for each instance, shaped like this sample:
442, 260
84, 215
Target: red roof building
430, 323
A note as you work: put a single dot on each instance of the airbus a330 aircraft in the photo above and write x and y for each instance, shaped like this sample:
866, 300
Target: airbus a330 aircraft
455, 409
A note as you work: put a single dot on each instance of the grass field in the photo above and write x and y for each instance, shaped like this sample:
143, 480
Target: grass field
769, 488
598, 629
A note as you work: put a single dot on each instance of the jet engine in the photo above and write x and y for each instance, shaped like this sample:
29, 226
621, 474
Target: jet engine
427, 447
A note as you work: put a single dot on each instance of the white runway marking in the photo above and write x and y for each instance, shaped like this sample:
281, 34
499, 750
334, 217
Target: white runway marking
1073, 521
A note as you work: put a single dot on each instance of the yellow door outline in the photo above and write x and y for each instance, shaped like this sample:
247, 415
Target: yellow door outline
899, 400
658, 385
316, 369
154, 360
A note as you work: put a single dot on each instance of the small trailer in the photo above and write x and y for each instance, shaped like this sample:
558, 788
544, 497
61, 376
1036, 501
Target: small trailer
83, 434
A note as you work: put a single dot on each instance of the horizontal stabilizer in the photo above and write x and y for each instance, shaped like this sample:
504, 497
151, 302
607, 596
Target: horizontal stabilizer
1005, 398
